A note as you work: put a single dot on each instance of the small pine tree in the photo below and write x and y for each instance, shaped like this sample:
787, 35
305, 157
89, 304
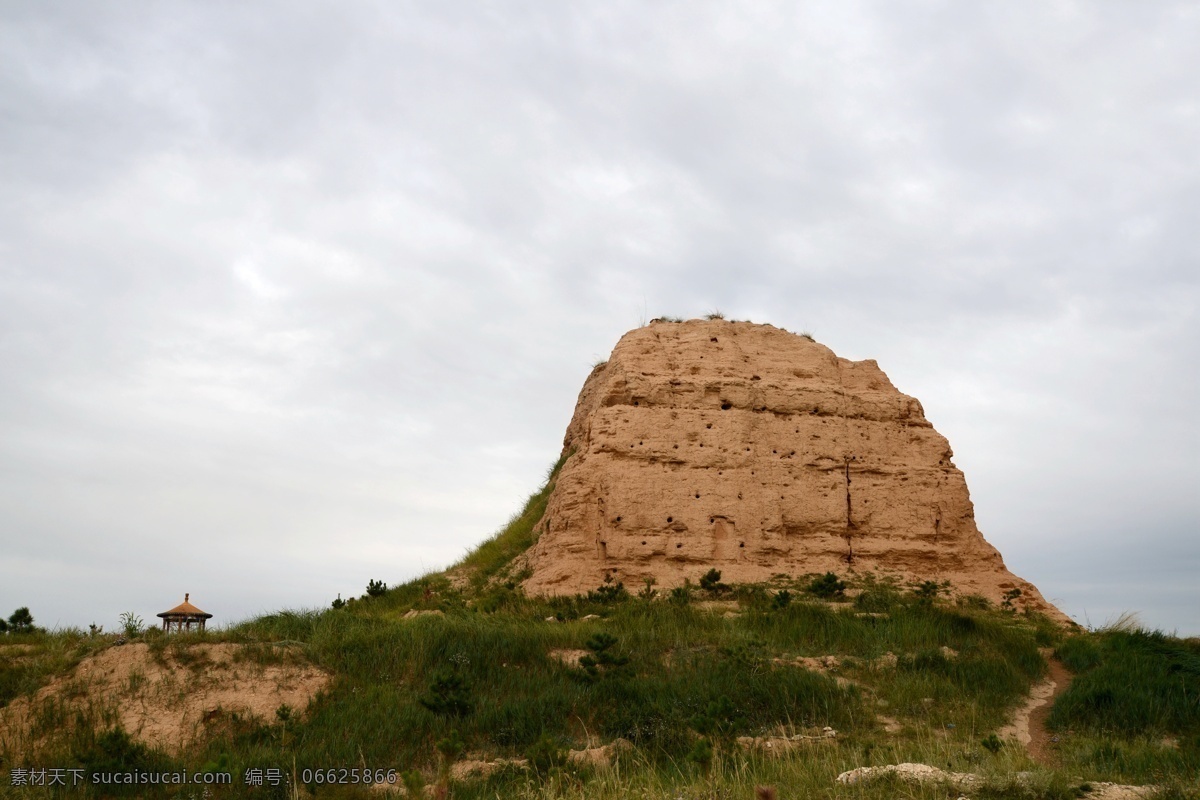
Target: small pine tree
711, 582
375, 588
719, 721
781, 600
546, 754
827, 587
414, 783
609, 592
449, 694
702, 755
449, 748
681, 595
601, 656
20, 621
927, 591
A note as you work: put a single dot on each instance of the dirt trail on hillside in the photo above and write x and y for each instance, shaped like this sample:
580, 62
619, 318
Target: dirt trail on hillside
1042, 745
1028, 724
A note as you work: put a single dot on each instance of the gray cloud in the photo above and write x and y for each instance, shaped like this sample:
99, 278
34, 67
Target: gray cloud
308, 291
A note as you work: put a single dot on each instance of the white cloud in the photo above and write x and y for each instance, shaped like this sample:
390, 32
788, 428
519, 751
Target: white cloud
319, 288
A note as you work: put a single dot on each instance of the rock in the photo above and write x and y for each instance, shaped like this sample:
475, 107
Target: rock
780, 745
965, 781
911, 773
591, 617
568, 657
480, 768
754, 451
600, 757
890, 724
414, 613
1118, 791
886, 661
822, 664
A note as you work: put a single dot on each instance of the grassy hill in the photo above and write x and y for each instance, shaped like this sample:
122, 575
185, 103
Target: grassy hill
715, 691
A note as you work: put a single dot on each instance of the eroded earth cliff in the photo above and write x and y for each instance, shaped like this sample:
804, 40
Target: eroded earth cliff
758, 452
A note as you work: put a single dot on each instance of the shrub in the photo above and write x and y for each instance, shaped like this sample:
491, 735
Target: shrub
827, 587
781, 600
714, 314
601, 656
376, 588
927, 591
338, 602
877, 598
116, 751
608, 592
413, 782
711, 582
720, 720
546, 754
449, 694
681, 595
1009, 597
449, 748
701, 754
992, 743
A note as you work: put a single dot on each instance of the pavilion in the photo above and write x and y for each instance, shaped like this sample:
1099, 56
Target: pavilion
183, 616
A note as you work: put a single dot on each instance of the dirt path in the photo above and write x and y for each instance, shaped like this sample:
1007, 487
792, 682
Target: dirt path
1042, 747
1028, 724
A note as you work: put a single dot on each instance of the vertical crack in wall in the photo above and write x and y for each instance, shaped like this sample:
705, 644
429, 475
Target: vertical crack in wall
850, 527
937, 535
849, 534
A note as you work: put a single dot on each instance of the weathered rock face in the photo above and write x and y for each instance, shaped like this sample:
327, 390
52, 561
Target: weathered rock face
758, 452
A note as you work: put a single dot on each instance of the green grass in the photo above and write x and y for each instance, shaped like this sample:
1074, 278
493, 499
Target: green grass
29, 660
485, 669
492, 556
1133, 709
1137, 682
681, 661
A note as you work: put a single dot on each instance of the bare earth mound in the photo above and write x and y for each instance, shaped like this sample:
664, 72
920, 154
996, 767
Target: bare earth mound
166, 702
758, 452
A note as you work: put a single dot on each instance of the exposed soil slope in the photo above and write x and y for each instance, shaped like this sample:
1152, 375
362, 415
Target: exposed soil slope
164, 702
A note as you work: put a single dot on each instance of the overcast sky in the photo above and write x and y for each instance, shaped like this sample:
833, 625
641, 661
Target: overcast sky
294, 295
